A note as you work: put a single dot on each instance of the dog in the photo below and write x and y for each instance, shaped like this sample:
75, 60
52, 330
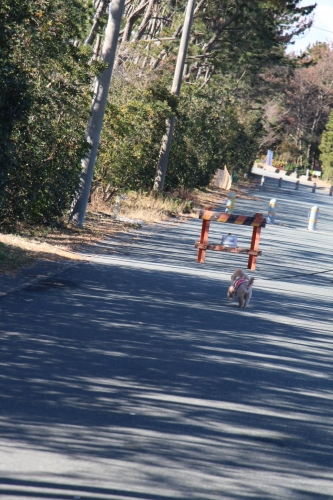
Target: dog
241, 287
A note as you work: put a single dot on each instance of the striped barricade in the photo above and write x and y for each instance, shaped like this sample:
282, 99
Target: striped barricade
208, 216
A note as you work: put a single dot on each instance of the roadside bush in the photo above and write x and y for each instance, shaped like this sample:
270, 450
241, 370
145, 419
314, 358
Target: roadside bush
45, 84
134, 125
207, 136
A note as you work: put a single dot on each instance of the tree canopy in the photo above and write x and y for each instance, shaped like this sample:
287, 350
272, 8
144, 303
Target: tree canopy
295, 116
233, 46
239, 90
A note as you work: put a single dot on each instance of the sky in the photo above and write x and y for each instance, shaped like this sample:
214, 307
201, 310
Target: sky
323, 19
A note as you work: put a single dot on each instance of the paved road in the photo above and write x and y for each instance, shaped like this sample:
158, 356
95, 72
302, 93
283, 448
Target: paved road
132, 377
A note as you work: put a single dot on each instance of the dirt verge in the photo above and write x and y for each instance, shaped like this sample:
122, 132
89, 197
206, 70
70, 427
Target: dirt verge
21, 246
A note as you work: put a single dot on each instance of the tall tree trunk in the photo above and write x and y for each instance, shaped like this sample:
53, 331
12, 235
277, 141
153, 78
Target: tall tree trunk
95, 123
177, 80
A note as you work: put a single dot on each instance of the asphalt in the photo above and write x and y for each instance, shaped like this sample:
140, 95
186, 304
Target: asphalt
130, 376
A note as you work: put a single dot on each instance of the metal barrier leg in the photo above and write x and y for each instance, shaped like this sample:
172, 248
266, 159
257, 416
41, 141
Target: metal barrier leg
254, 247
204, 240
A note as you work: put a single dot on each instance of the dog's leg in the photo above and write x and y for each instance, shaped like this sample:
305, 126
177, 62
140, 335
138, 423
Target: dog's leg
247, 299
241, 301
248, 294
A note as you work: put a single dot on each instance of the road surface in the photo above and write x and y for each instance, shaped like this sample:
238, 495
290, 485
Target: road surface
132, 377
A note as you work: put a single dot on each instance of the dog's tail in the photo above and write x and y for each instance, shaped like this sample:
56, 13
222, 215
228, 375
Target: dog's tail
250, 282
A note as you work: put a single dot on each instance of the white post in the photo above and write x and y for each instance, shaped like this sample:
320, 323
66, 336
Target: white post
313, 218
230, 203
272, 211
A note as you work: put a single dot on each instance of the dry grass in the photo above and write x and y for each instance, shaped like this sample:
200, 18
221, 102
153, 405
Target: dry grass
21, 246
147, 207
34, 246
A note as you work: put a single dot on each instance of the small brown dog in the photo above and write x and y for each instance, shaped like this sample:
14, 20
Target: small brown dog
241, 287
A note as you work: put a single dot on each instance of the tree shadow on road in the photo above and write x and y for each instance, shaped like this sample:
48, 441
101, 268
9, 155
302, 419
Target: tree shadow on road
157, 375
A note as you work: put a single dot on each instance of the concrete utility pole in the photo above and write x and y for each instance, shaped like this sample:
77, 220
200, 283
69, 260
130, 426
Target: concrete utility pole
95, 123
177, 80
